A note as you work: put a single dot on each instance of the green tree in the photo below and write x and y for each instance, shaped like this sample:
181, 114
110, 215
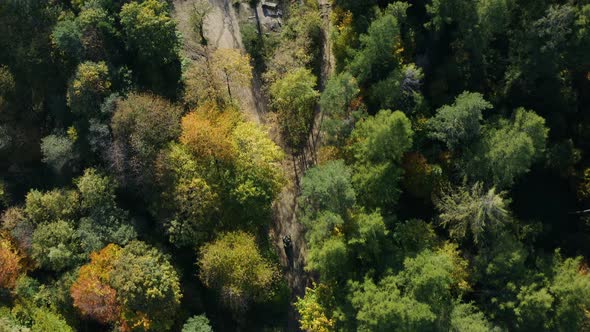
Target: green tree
294, 97
380, 51
330, 258
384, 138
198, 323
105, 222
383, 307
98, 30
96, 190
87, 89
51, 206
194, 202
433, 277
335, 103
58, 151
508, 150
149, 30
535, 304
377, 147
258, 177
401, 89
420, 297
45, 320
471, 212
234, 266
458, 125
147, 286
67, 37
571, 287
327, 188
370, 240
465, 317
56, 246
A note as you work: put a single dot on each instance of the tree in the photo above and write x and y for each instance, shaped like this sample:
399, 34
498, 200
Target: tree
197, 17
314, 316
51, 206
147, 285
325, 225
233, 265
135, 287
535, 303
370, 240
418, 298
258, 178
465, 317
87, 89
207, 134
458, 125
380, 51
142, 125
508, 150
326, 188
96, 191
91, 292
202, 85
335, 103
56, 246
58, 151
377, 147
401, 89
234, 68
571, 287
198, 323
433, 277
471, 212
98, 30
45, 320
149, 30
384, 138
147, 121
104, 222
383, 307
294, 97
11, 264
66, 36
194, 202
330, 258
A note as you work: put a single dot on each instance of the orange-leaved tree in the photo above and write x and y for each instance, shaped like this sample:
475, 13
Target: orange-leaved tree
91, 292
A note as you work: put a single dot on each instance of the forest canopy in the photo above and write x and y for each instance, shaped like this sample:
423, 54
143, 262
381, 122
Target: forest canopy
315, 165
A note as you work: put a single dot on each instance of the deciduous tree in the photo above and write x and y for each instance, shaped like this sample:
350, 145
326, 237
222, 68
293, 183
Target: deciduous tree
92, 293
233, 265
377, 147
294, 97
89, 86
148, 287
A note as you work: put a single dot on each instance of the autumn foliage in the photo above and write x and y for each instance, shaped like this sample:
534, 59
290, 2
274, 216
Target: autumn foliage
91, 292
207, 132
10, 264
